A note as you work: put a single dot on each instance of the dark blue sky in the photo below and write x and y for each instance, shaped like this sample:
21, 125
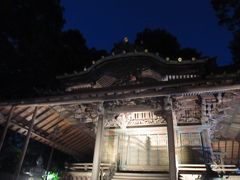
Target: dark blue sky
104, 22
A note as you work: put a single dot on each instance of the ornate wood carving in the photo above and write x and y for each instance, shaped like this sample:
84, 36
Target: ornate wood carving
220, 111
128, 104
135, 119
80, 113
187, 110
135, 112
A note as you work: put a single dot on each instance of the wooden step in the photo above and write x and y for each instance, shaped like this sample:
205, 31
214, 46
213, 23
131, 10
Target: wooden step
140, 176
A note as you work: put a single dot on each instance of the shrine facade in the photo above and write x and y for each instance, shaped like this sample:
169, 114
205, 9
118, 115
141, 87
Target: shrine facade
148, 114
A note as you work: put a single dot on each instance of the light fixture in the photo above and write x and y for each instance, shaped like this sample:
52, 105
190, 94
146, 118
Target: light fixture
125, 39
179, 59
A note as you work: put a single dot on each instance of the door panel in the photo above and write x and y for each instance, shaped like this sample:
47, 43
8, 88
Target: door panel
144, 153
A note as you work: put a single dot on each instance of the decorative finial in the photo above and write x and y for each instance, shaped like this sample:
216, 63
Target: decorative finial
125, 39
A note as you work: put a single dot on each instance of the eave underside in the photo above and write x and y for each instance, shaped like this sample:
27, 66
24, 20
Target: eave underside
77, 139
50, 128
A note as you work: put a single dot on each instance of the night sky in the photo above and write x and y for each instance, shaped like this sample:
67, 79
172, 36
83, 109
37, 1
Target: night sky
104, 22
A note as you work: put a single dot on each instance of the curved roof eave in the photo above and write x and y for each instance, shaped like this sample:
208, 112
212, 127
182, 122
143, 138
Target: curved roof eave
132, 54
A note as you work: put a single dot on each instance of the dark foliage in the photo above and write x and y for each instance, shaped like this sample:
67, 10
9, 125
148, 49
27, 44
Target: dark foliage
157, 41
12, 148
235, 47
228, 13
10, 152
34, 49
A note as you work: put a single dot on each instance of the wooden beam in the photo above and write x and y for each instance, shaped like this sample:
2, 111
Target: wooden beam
69, 136
98, 149
52, 126
43, 139
238, 154
232, 151
45, 120
46, 109
136, 91
27, 114
171, 149
6, 127
88, 148
83, 142
225, 149
19, 110
80, 146
73, 138
63, 133
49, 162
19, 166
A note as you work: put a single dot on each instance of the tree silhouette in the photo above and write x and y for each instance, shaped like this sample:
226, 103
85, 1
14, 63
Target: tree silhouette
34, 49
29, 32
228, 13
235, 47
189, 53
157, 41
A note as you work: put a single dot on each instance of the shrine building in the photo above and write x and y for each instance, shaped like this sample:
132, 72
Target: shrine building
140, 116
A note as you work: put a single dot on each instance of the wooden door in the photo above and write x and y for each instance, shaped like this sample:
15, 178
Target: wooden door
143, 152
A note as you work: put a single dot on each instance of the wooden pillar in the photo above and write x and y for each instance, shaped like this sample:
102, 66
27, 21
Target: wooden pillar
207, 147
19, 165
171, 149
98, 149
49, 162
6, 127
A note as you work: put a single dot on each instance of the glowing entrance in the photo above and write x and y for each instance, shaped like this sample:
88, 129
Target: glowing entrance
136, 141
137, 149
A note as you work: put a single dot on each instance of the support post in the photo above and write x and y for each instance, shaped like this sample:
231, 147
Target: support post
171, 149
206, 145
6, 127
49, 162
19, 166
97, 149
